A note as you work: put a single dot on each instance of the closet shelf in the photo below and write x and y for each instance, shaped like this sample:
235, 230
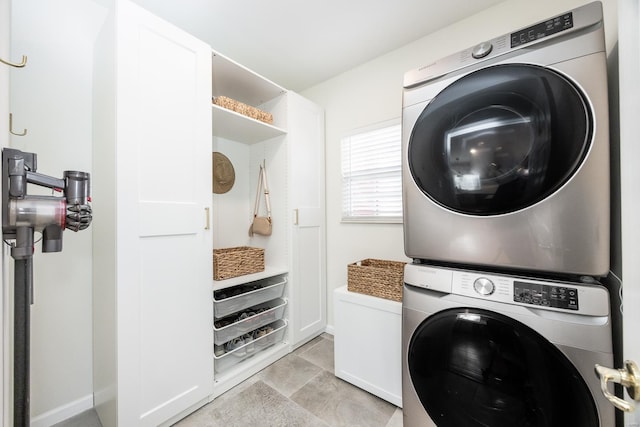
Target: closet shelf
238, 82
250, 349
247, 295
240, 280
236, 127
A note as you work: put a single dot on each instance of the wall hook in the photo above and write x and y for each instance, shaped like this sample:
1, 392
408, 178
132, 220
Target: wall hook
24, 132
13, 64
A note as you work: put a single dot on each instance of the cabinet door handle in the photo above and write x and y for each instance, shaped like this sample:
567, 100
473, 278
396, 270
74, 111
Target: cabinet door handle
295, 216
207, 223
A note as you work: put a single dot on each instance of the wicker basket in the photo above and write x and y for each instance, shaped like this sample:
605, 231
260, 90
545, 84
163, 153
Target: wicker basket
376, 277
234, 262
244, 109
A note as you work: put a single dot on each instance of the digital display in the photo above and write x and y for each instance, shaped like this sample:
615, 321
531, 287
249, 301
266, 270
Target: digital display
543, 29
545, 295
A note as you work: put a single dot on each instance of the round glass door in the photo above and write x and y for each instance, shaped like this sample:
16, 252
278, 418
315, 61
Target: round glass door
473, 368
500, 139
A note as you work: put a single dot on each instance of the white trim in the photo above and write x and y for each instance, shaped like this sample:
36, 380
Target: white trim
63, 412
329, 330
629, 66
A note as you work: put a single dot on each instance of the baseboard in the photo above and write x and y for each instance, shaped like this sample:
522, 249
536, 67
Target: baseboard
63, 412
329, 329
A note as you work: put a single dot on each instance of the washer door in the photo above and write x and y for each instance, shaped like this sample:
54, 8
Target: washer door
473, 367
500, 139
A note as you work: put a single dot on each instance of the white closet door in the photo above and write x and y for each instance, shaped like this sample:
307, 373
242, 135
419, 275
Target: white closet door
163, 154
308, 283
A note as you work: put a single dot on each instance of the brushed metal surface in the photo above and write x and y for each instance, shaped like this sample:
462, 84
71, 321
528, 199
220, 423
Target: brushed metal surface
567, 232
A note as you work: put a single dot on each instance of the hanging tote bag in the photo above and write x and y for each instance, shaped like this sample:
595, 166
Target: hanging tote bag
261, 225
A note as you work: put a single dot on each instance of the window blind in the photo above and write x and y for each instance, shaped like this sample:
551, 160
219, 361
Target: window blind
372, 175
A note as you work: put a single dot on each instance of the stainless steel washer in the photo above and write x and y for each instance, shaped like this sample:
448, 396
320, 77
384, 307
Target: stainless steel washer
493, 350
506, 151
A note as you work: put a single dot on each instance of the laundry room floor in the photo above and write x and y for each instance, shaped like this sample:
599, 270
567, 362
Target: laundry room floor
298, 390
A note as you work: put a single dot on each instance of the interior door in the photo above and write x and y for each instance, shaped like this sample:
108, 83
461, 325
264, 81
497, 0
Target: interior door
164, 155
629, 50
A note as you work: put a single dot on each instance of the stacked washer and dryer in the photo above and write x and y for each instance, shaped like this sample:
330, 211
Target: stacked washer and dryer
506, 212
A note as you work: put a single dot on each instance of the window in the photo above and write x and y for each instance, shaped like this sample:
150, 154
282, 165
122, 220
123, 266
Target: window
372, 174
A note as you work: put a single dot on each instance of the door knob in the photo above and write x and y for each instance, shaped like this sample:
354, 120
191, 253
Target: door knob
628, 377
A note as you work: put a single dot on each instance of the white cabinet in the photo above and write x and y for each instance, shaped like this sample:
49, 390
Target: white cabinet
151, 188
292, 150
156, 221
368, 343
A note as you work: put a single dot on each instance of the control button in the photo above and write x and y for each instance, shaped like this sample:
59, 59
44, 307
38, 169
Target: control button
484, 286
482, 50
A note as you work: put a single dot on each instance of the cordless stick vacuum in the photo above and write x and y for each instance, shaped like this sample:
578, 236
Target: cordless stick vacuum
22, 216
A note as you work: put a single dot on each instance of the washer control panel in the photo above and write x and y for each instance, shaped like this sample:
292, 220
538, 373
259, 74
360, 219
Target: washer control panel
545, 295
581, 18
561, 296
568, 297
543, 29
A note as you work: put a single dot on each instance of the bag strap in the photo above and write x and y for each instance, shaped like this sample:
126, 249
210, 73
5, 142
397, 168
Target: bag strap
266, 191
262, 182
259, 187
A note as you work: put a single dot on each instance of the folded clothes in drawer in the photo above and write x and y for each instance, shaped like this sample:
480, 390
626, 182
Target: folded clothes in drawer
237, 298
265, 337
247, 320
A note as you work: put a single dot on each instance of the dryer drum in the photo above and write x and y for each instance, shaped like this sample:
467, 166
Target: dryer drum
474, 367
500, 139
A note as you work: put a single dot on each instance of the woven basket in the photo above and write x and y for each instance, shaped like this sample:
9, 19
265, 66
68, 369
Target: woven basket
378, 278
244, 109
234, 262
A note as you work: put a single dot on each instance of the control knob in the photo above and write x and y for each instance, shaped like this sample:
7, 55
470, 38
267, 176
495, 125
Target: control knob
484, 286
482, 50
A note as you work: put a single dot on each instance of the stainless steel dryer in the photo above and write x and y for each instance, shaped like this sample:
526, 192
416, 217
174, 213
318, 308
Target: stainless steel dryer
489, 350
506, 151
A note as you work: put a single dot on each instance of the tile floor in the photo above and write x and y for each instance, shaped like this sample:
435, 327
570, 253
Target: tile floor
298, 390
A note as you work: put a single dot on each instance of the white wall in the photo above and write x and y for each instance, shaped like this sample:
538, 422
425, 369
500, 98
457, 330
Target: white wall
51, 98
5, 329
372, 93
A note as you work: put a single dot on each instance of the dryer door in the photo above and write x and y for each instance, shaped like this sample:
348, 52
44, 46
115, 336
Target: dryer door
500, 139
473, 367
